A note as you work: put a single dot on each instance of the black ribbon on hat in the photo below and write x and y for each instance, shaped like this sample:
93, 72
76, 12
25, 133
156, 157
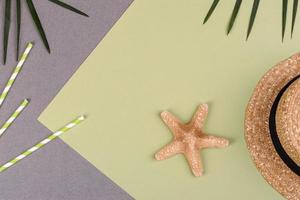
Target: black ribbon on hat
274, 136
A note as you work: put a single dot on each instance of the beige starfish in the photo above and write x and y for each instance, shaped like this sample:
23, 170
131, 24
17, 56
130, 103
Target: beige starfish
189, 139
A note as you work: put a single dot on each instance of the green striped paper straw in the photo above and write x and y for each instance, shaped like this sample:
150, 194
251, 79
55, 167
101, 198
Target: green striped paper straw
42, 143
13, 116
15, 73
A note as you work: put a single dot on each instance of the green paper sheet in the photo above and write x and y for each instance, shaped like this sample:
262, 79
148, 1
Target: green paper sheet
159, 57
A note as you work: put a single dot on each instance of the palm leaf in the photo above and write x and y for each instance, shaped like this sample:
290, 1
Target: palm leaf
18, 6
234, 15
252, 16
284, 12
295, 8
211, 10
38, 24
6, 28
68, 7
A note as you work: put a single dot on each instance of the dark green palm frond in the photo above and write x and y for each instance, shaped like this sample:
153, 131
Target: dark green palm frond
295, 8
234, 15
36, 20
211, 10
284, 12
252, 16
38, 23
18, 7
67, 6
6, 28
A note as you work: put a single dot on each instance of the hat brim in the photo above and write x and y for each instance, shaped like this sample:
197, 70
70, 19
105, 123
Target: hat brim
257, 134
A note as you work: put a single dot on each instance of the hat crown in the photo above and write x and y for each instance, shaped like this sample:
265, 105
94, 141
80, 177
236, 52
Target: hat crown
288, 121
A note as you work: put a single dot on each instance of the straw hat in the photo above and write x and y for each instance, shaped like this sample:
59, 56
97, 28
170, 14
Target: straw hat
272, 127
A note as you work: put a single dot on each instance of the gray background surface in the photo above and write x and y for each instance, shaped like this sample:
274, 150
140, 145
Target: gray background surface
55, 172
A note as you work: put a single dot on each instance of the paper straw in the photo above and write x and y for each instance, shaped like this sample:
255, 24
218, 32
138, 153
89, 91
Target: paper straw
42, 143
13, 116
15, 73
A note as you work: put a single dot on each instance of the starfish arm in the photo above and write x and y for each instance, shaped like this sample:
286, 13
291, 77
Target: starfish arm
169, 150
212, 141
172, 122
193, 158
199, 116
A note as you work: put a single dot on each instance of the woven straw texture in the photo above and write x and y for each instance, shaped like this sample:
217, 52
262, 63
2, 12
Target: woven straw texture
257, 132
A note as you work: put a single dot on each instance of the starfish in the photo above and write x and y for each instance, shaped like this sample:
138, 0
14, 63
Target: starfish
189, 138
